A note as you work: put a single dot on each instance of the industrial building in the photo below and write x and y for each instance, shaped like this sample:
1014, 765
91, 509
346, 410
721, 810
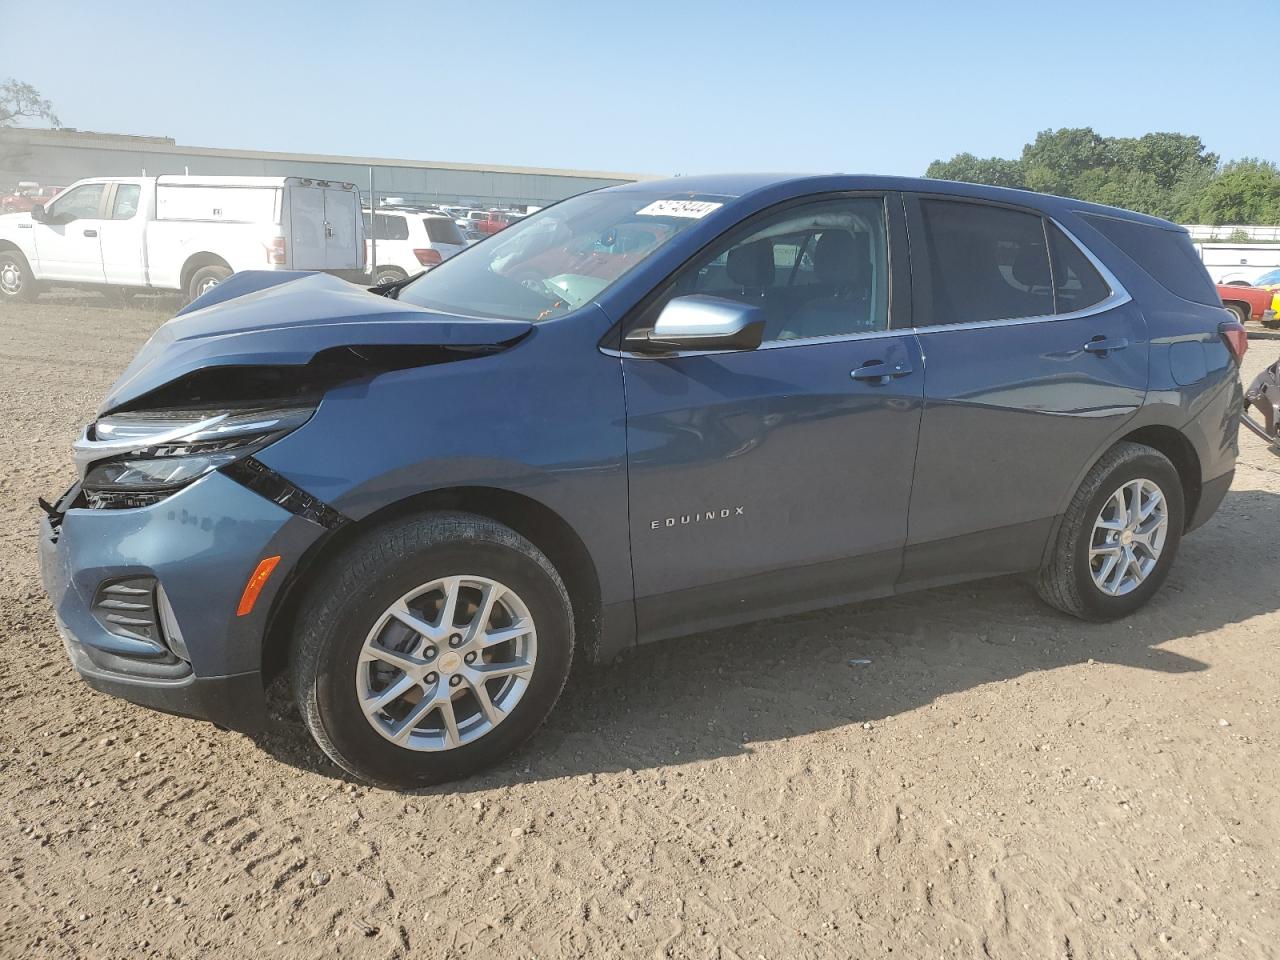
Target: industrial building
59, 157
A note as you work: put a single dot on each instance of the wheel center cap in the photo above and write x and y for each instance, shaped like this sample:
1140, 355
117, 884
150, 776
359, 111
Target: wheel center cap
1127, 537
450, 662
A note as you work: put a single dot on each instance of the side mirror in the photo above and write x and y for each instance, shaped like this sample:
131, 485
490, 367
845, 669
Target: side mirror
699, 322
37, 212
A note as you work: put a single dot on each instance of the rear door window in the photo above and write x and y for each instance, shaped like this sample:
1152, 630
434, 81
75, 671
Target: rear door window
385, 227
1077, 284
125, 204
987, 262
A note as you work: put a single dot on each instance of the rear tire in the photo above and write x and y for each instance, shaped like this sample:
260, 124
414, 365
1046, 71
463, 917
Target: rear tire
388, 275
349, 649
1240, 313
206, 278
17, 284
1077, 561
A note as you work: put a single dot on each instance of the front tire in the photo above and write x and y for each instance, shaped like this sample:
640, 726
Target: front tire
430, 649
17, 284
1118, 537
1240, 313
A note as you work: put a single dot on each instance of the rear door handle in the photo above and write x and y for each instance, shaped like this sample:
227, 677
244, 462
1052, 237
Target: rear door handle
878, 372
91, 233
1104, 345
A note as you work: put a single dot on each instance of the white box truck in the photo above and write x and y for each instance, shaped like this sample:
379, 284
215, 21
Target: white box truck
180, 233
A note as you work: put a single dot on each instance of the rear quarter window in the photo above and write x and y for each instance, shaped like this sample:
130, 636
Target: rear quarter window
1167, 255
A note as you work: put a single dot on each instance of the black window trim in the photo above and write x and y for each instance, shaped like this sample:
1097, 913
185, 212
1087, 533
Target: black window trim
899, 291
921, 279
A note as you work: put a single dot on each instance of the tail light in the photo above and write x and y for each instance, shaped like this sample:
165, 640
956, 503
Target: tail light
276, 252
1234, 336
429, 258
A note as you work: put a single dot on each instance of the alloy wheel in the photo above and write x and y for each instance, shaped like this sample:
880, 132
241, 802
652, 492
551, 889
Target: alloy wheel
1128, 537
446, 663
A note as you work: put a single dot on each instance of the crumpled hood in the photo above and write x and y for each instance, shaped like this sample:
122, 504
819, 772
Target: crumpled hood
278, 318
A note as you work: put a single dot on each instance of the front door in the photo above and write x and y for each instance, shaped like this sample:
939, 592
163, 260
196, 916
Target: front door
777, 479
1035, 358
72, 250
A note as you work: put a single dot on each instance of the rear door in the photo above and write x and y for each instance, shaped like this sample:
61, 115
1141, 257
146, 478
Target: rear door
1034, 357
342, 235
72, 251
778, 479
307, 243
122, 236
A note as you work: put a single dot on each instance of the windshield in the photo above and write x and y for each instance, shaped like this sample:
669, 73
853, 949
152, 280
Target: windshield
1268, 278
558, 259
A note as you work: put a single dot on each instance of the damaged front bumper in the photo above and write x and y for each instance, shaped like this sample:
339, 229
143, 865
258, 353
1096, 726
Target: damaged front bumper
1263, 399
146, 598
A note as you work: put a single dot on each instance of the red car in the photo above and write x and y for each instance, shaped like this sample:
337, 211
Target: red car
1248, 303
493, 221
26, 196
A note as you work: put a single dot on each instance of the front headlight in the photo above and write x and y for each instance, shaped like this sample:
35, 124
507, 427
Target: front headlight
136, 459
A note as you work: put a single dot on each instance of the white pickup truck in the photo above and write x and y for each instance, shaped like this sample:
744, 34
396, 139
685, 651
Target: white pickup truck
180, 233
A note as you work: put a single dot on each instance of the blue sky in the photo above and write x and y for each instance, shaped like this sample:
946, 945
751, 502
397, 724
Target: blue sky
656, 87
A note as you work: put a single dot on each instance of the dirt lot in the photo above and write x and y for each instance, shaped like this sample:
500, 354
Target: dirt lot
999, 781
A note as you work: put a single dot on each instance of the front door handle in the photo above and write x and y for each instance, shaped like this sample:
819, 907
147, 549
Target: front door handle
878, 372
91, 233
1104, 345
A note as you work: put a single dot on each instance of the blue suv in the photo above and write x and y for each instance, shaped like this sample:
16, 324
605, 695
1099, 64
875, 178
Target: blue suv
643, 412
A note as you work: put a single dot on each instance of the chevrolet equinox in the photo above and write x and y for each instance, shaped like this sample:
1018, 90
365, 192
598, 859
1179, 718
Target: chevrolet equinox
643, 412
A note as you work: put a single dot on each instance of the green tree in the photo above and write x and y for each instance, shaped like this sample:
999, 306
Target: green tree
965, 166
1245, 191
1170, 175
21, 101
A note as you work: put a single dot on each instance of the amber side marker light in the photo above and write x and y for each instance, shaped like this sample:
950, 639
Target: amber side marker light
261, 573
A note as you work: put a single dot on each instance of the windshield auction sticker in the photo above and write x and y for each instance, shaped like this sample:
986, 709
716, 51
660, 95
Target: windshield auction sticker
691, 209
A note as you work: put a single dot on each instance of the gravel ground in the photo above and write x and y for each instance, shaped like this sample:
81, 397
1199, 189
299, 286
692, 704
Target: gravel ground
998, 781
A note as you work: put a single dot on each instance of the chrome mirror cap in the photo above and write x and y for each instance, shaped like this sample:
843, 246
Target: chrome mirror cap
700, 322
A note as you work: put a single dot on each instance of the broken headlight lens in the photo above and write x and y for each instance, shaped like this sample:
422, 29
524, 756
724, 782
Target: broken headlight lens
135, 459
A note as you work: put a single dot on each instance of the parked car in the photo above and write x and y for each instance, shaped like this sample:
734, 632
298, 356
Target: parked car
1269, 281
1248, 303
179, 233
646, 411
491, 221
25, 196
409, 241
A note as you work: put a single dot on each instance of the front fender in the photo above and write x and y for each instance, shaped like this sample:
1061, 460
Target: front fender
544, 419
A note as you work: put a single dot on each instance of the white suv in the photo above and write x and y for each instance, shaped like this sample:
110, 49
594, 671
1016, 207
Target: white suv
408, 242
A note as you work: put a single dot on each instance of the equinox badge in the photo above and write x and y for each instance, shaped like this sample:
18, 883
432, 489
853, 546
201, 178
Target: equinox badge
705, 516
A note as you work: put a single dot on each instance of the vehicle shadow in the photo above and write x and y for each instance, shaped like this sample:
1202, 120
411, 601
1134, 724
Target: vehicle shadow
717, 694
164, 302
